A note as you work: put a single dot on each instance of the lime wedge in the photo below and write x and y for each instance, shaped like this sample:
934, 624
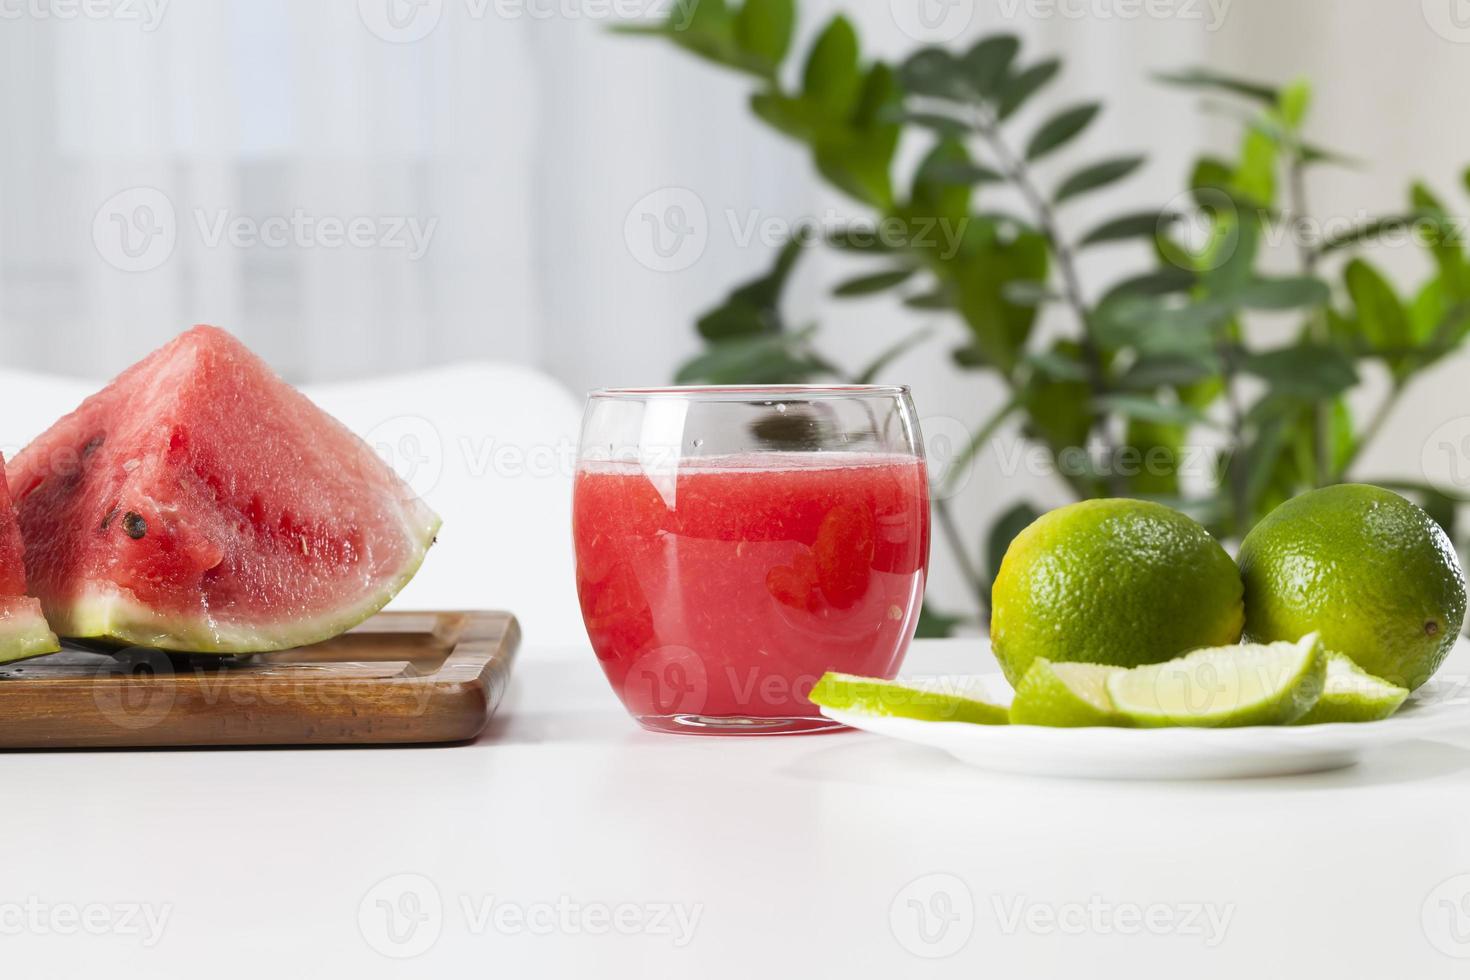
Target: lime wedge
1065, 696
936, 701
1352, 694
1225, 687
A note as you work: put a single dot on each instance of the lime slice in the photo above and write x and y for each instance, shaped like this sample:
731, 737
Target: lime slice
1225, 687
1065, 696
1350, 693
926, 701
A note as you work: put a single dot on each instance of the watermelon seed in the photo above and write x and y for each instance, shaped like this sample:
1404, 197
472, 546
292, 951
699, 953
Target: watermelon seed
135, 526
93, 444
107, 521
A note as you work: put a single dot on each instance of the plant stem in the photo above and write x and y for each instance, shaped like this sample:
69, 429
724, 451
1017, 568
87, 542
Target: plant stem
1016, 172
1239, 490
1317, 324
951, 530
987, 431
1374, 427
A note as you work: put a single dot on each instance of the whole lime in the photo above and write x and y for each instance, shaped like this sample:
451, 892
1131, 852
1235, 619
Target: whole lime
1370, 571
1116, 582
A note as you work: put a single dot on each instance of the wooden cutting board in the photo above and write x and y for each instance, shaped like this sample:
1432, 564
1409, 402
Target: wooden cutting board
398, 678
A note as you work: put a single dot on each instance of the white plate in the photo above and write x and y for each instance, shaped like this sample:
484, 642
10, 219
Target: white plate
1436, 708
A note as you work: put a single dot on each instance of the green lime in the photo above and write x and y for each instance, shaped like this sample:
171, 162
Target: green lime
1352, 694
936, 701
1065, 696
1374, 574
1115, 582
1225, 687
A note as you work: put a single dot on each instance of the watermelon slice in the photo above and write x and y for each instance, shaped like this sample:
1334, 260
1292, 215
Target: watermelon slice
23, 630
199, 503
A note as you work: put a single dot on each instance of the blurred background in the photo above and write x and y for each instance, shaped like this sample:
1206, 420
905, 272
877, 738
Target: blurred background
364, 187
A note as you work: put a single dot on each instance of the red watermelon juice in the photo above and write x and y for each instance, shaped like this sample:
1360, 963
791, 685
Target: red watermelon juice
717, 593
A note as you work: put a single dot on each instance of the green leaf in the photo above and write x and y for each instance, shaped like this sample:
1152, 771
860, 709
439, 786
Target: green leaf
1309, 372
736, 320
754, 307
1061, 129
1294, 101
945, 126
1255, 177
1260, 461
763, 29
1058, 365
986, 65
1097, 176
1173, 254
1311, 153
857, 158
1159, 452
1342, 441
1215, 191
1210, 173
879, 364
1154, 371
1204, 78
934, 194
1017, 89
1441, 234
966, 173
1231, 257
939, 299
1367, 231
936, 625
989, 261
1143, 224
1425, 199
1381, 316
1160, 327
933, 72
1059, 412
703, 15
767, 289
832, 78
876, 283
1161, 282
796, 117
1150, 410
1003, 531
753, 360
1289, 293
970, 357
1427, 313
705, 29
1026, 292
858, 239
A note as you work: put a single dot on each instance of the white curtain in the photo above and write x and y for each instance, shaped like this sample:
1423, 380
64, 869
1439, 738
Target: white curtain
508, 144
272, 129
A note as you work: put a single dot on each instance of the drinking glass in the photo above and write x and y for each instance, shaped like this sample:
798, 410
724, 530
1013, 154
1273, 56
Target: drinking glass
735, 543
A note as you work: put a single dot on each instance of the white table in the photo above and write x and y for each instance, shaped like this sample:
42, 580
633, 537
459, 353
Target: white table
785, 857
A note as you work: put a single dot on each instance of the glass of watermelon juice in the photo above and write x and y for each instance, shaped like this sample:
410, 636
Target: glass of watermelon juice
735, 543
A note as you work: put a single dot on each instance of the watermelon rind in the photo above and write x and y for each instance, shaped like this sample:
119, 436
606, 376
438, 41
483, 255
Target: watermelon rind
25, 634
109, 616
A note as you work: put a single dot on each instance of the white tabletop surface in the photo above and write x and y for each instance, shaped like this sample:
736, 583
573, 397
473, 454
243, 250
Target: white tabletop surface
568, 843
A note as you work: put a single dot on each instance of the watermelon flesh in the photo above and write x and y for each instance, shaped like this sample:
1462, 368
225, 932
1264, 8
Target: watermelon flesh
23, 629
199, 503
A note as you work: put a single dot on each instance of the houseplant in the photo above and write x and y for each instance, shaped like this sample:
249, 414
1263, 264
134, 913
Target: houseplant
1147, 366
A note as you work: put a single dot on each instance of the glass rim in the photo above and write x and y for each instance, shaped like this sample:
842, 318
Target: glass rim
715, 393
